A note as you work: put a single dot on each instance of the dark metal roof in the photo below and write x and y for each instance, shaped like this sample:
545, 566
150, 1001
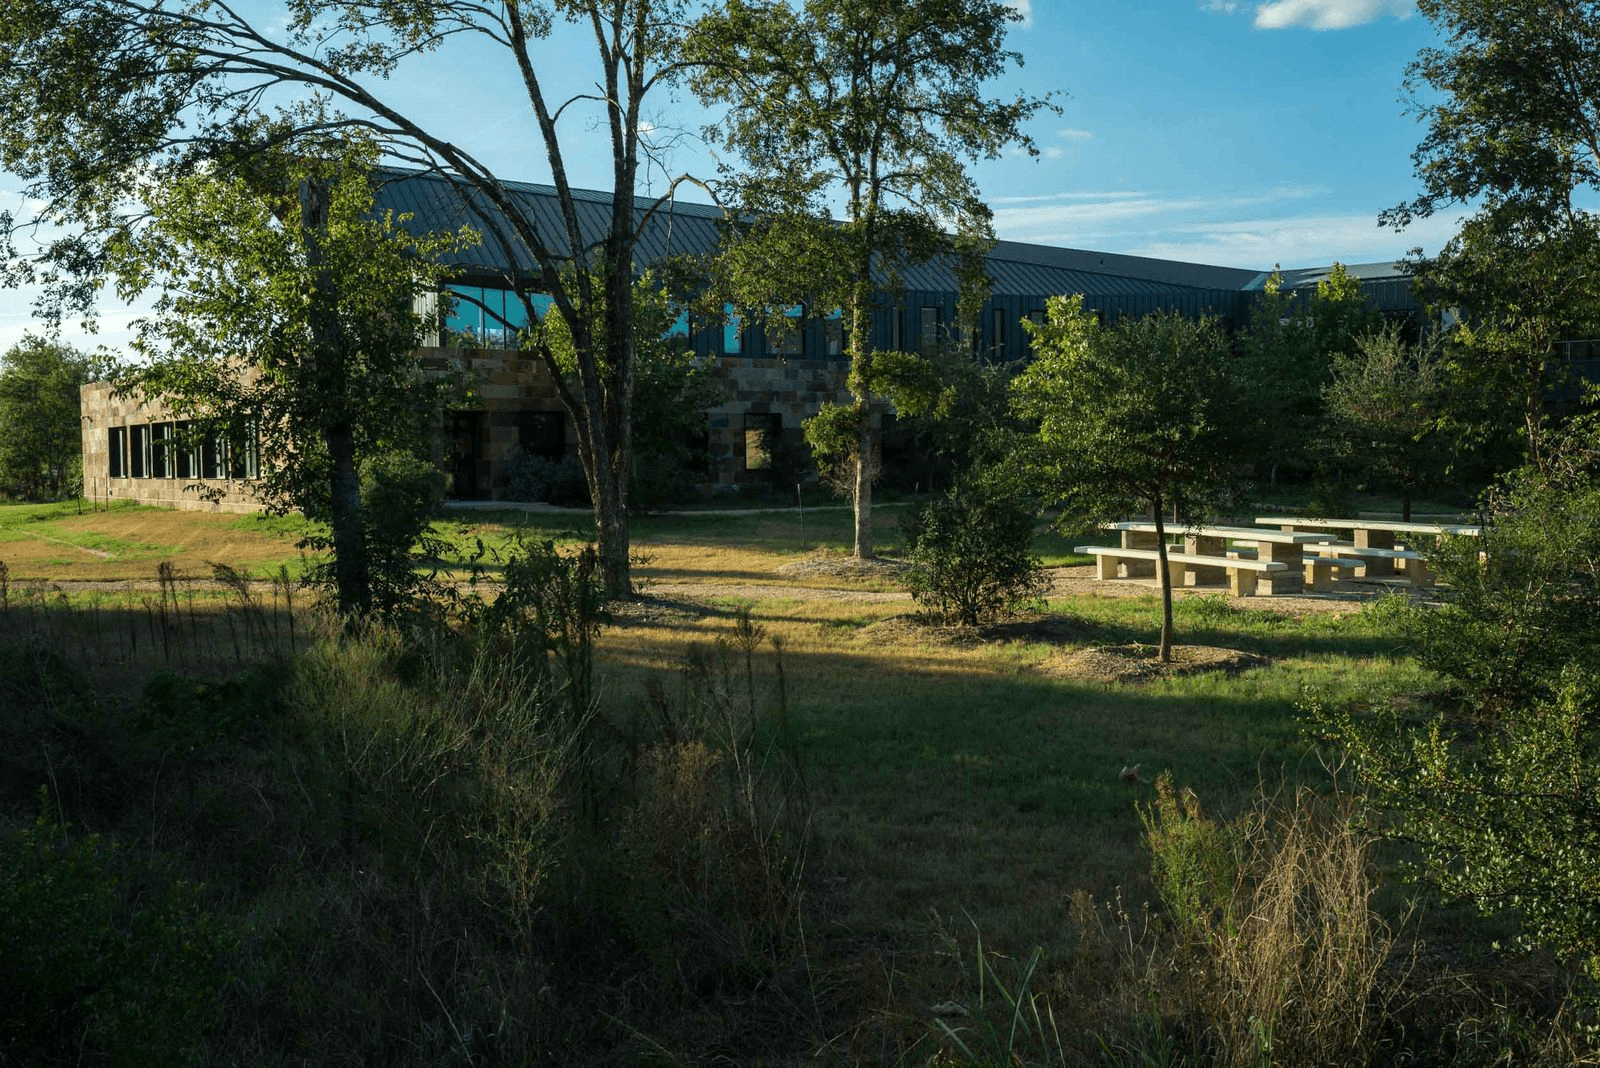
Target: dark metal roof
1016, 268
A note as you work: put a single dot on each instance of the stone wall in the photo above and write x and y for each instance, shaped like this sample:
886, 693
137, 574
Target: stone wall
479, 441
101, 412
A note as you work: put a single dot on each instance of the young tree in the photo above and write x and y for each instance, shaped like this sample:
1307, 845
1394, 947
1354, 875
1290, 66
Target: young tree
1287, 355
41, 435
1142, 415
877, 106
285, 307
100, 97
1383, 412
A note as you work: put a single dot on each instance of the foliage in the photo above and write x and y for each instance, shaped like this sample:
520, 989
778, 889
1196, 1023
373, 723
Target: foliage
1516, 279
283, 315
1509, 99
400, 494
90, 969
971, 555
1497, 789
1383, 410
1143, 415
103, 98
1287, 356
41, 438
530, 477
878, 104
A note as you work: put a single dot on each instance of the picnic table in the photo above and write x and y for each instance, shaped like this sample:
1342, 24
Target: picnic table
1281, 553
1379, 535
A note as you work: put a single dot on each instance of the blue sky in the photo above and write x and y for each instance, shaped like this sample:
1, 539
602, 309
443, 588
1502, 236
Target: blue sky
1231, 132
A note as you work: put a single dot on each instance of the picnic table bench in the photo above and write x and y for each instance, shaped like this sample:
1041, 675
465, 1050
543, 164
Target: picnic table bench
1243, 575
1206, 559
1379, 534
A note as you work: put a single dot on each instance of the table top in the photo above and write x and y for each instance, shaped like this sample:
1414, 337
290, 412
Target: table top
1252, 534
1465, 529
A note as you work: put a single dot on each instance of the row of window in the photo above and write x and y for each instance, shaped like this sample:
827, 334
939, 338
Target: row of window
494, 317
171, 450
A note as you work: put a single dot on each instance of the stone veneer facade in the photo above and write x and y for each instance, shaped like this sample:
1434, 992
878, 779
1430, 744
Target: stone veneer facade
478, 442
102, 411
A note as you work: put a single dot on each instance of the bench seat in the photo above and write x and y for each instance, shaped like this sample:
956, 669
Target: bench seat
1415, 565
1242, 573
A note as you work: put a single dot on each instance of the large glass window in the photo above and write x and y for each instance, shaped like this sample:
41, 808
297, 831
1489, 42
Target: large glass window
163, 458
732, 332
489, 317
117, 452
997, 333
139, 451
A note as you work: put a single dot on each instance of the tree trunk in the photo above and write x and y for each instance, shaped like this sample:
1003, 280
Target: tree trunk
611, 527
350, 577
1166, 582
863, 488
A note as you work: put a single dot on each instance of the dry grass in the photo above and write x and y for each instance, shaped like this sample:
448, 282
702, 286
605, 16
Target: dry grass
125, 545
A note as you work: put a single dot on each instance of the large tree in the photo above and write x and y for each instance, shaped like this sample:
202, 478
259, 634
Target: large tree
283, 319
870, 109
103, 98
1511, 101
41, 435
1140, 416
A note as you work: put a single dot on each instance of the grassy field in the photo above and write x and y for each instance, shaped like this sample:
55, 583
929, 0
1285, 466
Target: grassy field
962, 786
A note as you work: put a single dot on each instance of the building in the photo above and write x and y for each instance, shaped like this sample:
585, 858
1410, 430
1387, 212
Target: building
770, 383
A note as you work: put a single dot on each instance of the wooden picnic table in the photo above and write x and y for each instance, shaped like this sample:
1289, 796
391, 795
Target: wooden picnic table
1373, 534
1285, 547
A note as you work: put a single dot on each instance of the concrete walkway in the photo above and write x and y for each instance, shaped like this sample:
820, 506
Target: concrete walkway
550, 509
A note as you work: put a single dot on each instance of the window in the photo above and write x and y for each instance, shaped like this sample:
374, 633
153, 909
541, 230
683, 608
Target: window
214, 457
928, 331
139, 451
761, 430
732, 332
117, 452
1035, 316
184, 451
897, 332
244, 451
786, 337
680, 331
833, 333
997, 333
163, 454
490, 317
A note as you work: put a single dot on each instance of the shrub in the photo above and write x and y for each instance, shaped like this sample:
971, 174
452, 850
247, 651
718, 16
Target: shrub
971, 553
400, 494
530, 477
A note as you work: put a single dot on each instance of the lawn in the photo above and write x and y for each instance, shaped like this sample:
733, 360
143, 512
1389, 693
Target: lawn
959, 786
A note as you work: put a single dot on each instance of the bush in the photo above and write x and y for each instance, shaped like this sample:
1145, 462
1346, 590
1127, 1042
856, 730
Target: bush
971, 554
530, 477
1496, 789
400, 494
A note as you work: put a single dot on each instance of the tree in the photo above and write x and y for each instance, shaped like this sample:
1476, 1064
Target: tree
284, 313
1522, 282
1287, 355
1512, 107
878, 104
1140, 415
100, 97
1498, 788
41, 435
1383, 412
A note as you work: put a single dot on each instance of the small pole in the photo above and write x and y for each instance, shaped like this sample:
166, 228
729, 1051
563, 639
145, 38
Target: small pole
800, 502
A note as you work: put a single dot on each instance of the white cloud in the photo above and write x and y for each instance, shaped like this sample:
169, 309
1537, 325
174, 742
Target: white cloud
1025, 9
1252, 231
1329, 14
1074, 135
1221, 7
